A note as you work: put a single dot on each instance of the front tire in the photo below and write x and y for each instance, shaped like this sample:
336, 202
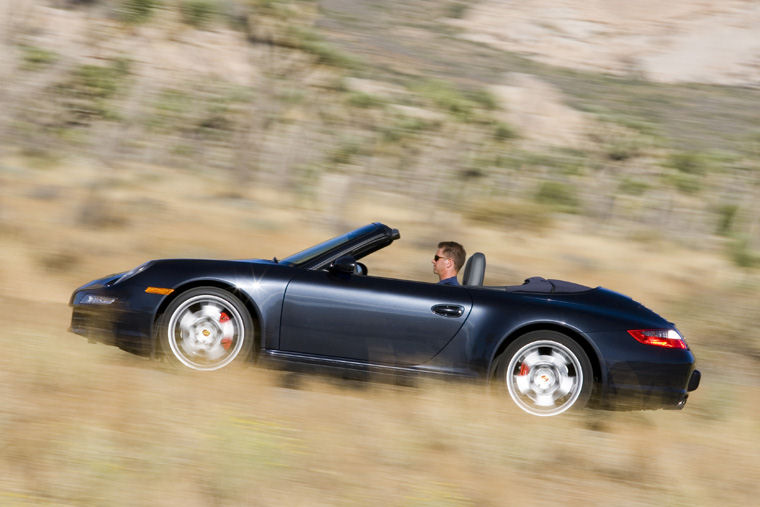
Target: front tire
206, 329
546, 373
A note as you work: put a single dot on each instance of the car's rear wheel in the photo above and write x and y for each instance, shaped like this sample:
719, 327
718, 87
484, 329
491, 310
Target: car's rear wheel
546, 373
206, 329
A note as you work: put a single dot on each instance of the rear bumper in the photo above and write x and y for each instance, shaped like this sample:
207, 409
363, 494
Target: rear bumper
639, 376
642, 395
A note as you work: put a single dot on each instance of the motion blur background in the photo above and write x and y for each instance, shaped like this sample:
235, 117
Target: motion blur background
606, 142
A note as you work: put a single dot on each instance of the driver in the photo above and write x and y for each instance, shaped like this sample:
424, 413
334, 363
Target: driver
447, 262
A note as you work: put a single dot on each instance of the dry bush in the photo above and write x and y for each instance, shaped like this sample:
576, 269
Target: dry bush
510, 214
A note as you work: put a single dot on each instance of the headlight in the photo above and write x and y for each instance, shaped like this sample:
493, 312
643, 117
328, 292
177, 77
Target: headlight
91, 299
132, 272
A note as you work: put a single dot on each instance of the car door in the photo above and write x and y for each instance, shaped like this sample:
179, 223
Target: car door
370, 319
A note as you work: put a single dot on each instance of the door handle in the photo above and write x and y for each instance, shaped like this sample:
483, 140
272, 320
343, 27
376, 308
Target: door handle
448, 310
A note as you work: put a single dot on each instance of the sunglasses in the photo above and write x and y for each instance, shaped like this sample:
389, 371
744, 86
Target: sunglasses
436, 258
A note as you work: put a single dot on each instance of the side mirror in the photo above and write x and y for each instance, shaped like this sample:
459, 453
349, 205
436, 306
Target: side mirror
345, 264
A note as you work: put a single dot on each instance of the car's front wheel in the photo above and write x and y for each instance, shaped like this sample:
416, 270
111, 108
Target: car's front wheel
206, 329
546, 373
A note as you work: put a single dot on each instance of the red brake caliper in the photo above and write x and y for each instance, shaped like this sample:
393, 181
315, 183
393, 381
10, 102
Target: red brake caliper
524, 369
226, 342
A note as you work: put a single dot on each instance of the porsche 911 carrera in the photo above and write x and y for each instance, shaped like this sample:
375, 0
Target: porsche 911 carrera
548, 345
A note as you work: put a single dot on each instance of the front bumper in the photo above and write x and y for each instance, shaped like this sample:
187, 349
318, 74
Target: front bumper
104, 315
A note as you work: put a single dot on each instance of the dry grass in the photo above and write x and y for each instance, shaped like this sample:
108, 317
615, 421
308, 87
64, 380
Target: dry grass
88, 424
85, 424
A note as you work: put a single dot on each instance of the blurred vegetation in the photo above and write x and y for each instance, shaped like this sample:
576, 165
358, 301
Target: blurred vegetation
136, 11
321, 94
158, 123
743, 254
557, 195
37, 58
85, 92
199, 13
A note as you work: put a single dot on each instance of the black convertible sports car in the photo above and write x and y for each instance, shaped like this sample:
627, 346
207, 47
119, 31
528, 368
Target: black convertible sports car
551, 345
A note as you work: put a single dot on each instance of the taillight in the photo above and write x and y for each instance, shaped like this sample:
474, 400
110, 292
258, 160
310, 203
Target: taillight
668, 338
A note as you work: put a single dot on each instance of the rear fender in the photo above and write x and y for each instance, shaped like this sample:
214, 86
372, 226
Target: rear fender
592, 352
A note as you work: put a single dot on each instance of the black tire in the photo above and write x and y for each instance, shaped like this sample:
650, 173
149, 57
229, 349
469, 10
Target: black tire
545, 373
206, 329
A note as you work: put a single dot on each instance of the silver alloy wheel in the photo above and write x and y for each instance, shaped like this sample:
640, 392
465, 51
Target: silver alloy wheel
544, 378
206, 332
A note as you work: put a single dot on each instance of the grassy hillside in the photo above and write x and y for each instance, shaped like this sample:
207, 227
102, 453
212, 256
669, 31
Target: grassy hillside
89, 424
291, 93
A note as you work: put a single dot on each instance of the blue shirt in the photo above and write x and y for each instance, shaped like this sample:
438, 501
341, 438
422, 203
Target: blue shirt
449, 281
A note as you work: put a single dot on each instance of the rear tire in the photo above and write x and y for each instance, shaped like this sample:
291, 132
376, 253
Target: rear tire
206, 329
545, 373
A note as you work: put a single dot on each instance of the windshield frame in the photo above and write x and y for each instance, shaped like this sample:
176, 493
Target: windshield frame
317, 256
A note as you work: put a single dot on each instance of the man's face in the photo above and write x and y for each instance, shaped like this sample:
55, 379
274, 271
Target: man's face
439, 265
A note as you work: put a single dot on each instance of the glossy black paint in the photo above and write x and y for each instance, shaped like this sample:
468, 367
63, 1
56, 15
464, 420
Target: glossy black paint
307, 313
392, 323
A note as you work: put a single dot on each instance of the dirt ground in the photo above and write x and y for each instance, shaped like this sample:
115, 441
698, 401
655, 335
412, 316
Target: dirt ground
700, 41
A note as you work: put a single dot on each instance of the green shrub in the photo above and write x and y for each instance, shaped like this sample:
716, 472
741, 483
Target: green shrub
364, 100
622, 150
86, 91
309, 41
483, 98
345, 153
135, 12
685, 183
559, 196
560, 161
690, 170
742, 254
688, 163
404, 127
726, 217
198, 13
35, 58
632, 187
504, 132
98, 81
521, 215
457, 9
446, 97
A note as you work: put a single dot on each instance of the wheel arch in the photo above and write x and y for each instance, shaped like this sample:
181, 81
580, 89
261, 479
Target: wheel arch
570, 332
244, 298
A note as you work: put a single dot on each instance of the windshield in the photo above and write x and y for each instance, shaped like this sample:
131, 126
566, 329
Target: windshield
313, 252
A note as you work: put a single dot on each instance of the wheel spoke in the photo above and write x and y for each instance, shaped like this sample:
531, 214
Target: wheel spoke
544, 400
190, 346
532, 359
215, 352
187, 321
566, 385
211, 311
228, 329
558, 359
522, 382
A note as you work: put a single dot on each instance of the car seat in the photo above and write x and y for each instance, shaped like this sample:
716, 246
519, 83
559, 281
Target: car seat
474, 270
